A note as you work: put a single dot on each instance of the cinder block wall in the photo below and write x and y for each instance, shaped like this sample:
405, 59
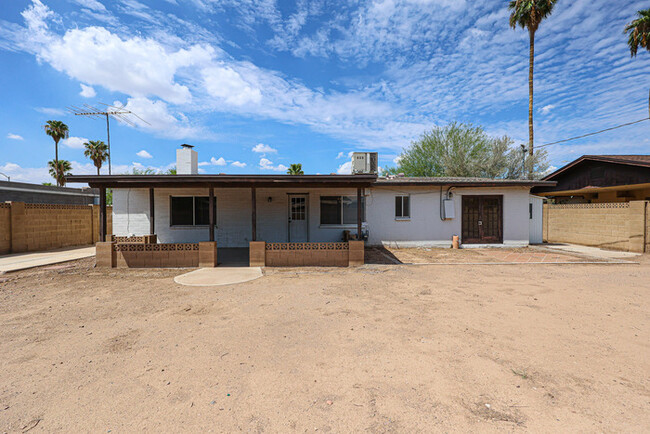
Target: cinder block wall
5, 228
32, 227
618, 226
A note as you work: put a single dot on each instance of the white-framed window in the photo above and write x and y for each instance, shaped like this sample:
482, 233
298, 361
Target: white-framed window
190, 210
402, 207
340, 210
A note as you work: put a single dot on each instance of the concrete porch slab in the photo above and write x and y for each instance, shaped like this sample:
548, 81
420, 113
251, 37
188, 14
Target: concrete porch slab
219, 276
23, 261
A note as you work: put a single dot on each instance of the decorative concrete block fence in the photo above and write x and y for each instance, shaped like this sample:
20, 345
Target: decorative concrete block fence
28, 227
136, 239
619, 225
346, 254
140, 255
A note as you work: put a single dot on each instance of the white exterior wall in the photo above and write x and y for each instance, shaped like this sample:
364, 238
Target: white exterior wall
233, 220
425, 228
536, 223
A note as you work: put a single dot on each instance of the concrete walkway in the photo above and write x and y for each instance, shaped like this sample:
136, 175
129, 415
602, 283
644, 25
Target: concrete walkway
22, 261
219, 276
594, 252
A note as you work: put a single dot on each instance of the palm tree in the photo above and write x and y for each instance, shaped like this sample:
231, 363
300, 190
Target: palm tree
639, 31
97, 151
59, 170
57, 130
295, 169
529, 14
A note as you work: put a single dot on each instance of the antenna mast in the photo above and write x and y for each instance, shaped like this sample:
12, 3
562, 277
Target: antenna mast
116, 112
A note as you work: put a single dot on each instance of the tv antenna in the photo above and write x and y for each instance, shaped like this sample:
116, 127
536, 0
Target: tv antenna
118, 113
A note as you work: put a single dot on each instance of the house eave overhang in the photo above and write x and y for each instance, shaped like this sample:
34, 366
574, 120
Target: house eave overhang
224, 181
513, 183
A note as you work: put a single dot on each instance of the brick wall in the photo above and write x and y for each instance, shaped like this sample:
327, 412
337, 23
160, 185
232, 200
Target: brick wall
5, 228
618, 226
171, 255
647, 227
32, 227
306, 254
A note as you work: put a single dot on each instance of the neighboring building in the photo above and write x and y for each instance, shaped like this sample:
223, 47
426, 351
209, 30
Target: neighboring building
317, 208
37, 193
600, 178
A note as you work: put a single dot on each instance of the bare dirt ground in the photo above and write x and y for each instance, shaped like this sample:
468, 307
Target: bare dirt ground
378, 348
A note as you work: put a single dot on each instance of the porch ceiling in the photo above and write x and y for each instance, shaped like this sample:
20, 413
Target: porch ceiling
224, 181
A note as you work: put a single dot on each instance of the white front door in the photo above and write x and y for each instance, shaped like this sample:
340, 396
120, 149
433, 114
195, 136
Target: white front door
298, 219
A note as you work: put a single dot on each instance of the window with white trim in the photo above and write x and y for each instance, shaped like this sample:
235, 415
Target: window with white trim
402, 207
191, 210
340, 210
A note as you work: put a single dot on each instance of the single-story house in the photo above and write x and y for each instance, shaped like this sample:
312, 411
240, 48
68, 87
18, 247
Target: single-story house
304, 219
599, 179
11, 191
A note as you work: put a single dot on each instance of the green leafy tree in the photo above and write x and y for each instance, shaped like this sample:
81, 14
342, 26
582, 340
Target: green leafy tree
295, 169
57, 130
171, 171
97, 152
639, 31
59, 170
462, 150
528, 14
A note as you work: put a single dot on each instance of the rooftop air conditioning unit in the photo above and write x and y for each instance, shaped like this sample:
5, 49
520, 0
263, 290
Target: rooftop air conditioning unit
364, 163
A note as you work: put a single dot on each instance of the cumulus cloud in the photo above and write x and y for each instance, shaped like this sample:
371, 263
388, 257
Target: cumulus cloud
266, 164
160, 119
144, 154
14, 136
224, 83
345, 168
238, 164
261, 148
87, 91
74, 142
218, 162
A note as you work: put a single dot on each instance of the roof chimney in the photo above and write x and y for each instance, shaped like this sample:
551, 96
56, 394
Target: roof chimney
187, 160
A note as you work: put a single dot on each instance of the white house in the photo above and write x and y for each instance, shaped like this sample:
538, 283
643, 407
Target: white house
400, 211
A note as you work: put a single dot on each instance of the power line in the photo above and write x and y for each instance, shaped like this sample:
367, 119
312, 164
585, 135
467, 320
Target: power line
592, 134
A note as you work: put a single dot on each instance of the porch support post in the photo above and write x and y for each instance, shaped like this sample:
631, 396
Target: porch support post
152, 214
102, 214
359, 214
211, 213
254, 214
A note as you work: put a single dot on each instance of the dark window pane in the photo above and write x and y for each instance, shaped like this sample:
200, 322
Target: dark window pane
350, 210
201, 210
406, 206
330, 210
398, 206
181, 214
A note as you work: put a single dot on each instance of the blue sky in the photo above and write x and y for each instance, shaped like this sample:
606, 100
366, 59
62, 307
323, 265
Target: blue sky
258, 85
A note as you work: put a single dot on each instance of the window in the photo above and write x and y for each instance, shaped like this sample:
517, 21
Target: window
191, 210
340, 210
530, 211
402, 207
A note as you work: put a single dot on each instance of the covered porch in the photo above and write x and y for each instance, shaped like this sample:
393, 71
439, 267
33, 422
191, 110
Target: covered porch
300, 219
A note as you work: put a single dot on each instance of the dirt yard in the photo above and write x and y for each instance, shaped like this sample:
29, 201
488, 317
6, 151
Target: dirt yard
378, 348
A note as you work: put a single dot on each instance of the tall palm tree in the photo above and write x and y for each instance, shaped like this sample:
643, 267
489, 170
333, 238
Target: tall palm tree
97, 151
57, 130
528, 14
59, 170
295, 169
639, 31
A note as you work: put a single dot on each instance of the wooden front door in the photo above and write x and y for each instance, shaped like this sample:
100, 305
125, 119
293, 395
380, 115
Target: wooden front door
482, 219
298, 218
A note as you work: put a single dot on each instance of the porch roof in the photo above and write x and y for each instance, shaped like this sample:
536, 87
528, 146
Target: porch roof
224, 181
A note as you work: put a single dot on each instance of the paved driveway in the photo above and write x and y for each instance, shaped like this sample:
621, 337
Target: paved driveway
21, 261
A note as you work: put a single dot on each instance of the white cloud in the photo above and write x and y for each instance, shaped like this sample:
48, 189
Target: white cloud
87, 91
50, 111
343, 155
261, 148
14, 136
546, 109
91, 4
266, 164
224, 83
144, 154
74, 142
161, 120
345, 168
218, 162
238, 164
397, 159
